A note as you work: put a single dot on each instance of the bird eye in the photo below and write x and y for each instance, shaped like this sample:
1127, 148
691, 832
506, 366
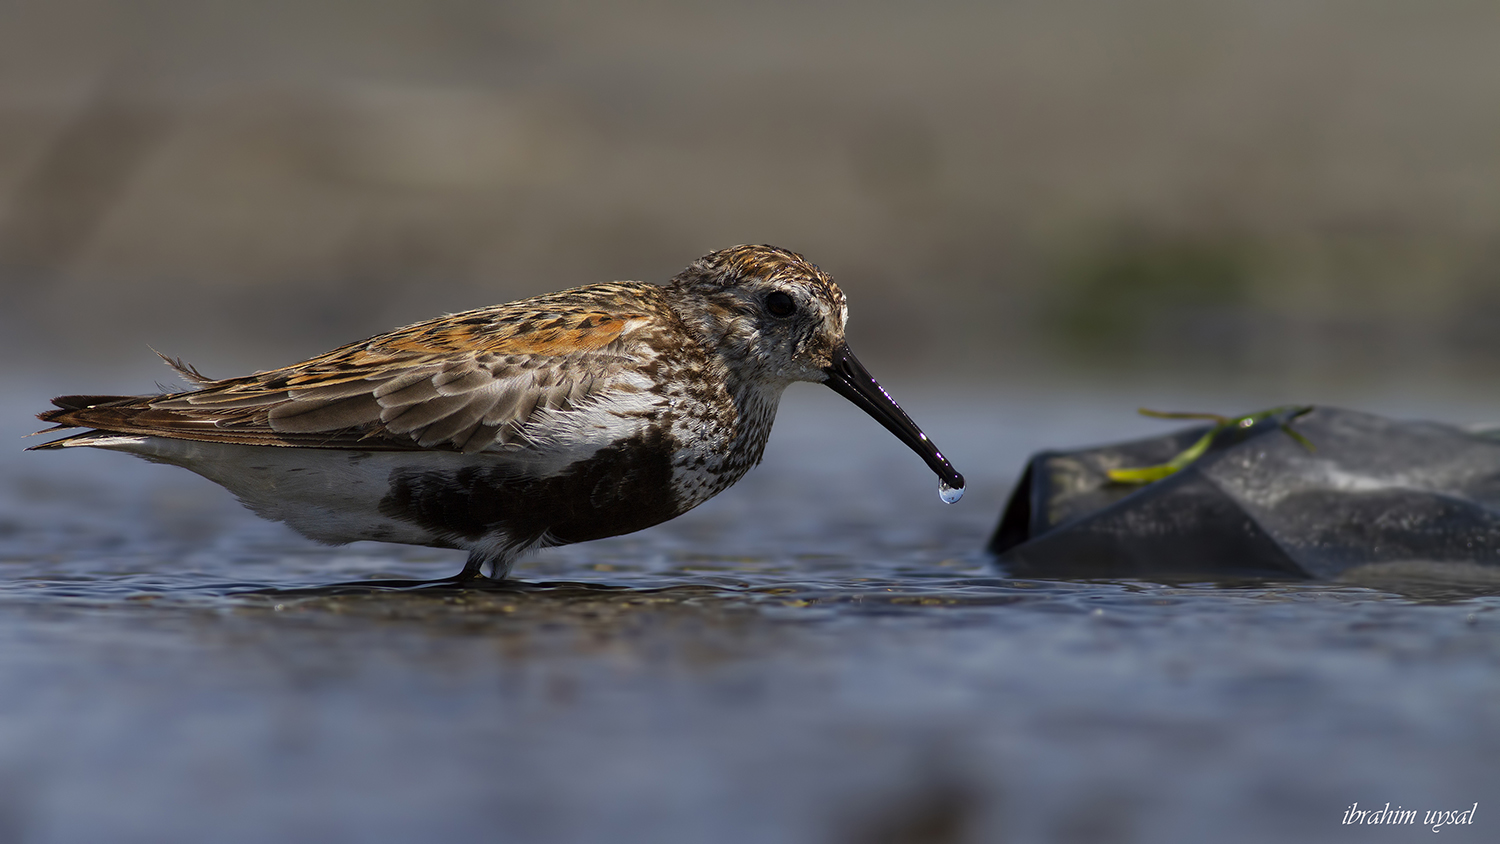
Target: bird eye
780, 304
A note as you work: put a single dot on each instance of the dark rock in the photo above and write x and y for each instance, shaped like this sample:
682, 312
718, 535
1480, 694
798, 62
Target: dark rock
1374, 494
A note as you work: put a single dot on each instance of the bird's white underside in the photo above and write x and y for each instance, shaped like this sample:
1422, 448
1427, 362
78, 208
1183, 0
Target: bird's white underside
334, 495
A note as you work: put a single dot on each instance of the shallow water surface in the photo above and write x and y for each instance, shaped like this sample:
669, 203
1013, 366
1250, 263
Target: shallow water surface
820, 654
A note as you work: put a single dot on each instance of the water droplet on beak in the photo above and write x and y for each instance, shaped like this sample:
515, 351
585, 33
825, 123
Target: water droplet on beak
949, 494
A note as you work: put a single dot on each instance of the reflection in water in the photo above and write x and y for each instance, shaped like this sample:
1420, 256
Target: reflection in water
774, 667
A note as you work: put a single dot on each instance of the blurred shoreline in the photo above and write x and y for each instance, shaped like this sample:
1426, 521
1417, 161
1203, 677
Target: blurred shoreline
1280, 194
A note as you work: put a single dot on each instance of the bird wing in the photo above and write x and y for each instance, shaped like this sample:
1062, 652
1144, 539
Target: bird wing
465, 382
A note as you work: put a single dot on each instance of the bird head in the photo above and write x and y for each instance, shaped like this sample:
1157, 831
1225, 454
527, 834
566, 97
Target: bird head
775, 318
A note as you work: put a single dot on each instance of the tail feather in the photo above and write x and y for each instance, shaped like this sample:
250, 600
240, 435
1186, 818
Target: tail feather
66, 403
91, 438
139, 416
185, 371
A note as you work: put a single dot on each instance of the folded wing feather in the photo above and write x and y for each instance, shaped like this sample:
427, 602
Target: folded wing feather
447, 391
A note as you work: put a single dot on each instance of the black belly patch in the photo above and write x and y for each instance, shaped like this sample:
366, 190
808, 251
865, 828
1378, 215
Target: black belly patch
622, 488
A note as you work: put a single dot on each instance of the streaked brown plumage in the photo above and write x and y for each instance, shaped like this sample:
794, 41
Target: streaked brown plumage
565, 417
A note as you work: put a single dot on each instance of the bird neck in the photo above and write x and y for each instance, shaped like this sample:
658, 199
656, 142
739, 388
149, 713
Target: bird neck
726, 340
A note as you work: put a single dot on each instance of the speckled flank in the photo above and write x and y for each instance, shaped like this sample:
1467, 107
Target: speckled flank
572, 416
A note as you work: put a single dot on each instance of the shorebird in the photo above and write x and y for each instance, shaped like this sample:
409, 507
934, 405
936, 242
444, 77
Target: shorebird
567, 417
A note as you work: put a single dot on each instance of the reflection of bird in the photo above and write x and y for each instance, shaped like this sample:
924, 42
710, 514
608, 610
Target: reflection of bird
578, 415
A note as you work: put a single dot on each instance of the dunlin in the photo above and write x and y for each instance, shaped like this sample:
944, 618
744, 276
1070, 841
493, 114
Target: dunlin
573, 416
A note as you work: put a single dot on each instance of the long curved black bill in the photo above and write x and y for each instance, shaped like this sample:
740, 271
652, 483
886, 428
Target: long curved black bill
848, 377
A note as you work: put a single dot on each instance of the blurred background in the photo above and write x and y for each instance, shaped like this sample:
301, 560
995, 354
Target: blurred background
1299, 194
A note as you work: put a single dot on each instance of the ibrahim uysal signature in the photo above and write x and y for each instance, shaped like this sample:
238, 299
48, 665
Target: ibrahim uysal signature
1437, 819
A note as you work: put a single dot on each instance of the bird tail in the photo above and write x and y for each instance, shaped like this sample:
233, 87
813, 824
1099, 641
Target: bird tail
100, 412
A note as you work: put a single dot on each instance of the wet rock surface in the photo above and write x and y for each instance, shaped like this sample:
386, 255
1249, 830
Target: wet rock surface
1326, 493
